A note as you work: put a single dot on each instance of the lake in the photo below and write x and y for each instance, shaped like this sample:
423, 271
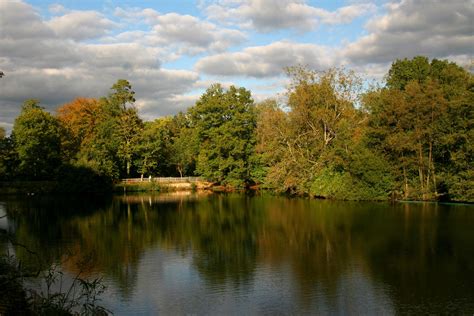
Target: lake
235, 254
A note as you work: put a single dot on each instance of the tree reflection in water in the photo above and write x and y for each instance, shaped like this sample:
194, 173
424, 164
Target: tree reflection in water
413, 257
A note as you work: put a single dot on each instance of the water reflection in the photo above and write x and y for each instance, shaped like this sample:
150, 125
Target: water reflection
239, 254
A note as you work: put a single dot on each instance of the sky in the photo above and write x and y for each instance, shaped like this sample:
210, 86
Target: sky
172, 51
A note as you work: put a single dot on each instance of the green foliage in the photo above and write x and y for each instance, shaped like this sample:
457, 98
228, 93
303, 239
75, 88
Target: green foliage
366, 177
101, 154
153, 147
114, 131
129, 128
315, 133
121, 95
185, 145
335, 185
8, 159
404, 71
37, 141
326, 135
423, 120
225, 123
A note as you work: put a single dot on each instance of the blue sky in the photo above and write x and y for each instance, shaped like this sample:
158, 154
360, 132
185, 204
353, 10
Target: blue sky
171, 51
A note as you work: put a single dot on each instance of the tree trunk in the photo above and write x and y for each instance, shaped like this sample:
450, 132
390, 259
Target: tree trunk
432, 169
406, 193
420, 171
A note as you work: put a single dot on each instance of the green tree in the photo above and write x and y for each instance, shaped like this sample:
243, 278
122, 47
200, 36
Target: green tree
129, 128
225, 123
273, 149
110, 147
185, 146
8, 158
100, 151
315, 133
405, 70
154, 147
455, 152
121, 96
423, 119
37, 140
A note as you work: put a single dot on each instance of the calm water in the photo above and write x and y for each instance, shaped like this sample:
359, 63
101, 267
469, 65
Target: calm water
236, 254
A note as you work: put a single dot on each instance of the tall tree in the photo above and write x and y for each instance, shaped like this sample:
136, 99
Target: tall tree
154, 147
129, 128
121, 96
274, 146
78, 119
8, 157
225, 123
110, 148
37, 140
405, 70
316, 131
185, 146
423, 118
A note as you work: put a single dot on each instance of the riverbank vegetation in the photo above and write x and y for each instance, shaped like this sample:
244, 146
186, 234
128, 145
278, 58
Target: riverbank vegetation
52, 293
411, 138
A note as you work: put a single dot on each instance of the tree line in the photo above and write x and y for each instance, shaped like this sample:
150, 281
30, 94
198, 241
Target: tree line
411, 138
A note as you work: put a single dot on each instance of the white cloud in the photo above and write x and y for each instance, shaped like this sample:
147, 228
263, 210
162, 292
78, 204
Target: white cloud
269, 60
168, 106
270, 15
345, 15
135, 15
56, 8
189, 30
127, 56
185, 34
55, 61
47, 60
433, 28
81, 25
18, 21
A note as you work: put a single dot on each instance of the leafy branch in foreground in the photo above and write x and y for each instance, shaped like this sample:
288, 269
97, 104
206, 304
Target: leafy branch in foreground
81, 297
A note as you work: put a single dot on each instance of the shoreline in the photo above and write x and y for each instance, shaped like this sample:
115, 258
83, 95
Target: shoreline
36, 188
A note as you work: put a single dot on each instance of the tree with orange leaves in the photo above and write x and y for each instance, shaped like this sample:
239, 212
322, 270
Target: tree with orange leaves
78, 119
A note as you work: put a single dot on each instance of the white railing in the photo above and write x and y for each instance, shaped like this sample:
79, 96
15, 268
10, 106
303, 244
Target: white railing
163, 179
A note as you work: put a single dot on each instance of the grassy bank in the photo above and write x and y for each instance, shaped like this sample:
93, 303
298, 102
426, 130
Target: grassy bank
140, 187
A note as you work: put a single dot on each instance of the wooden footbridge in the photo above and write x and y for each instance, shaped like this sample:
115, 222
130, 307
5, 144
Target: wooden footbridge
165, 180
174, 182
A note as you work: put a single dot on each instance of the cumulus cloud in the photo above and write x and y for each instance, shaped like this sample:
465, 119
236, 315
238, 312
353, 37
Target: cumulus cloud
433, 28
56, 8
18, 21
82, 53
81, 25
47, 60
268, 60
169, 106
270, 15
186, 34
190, 30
